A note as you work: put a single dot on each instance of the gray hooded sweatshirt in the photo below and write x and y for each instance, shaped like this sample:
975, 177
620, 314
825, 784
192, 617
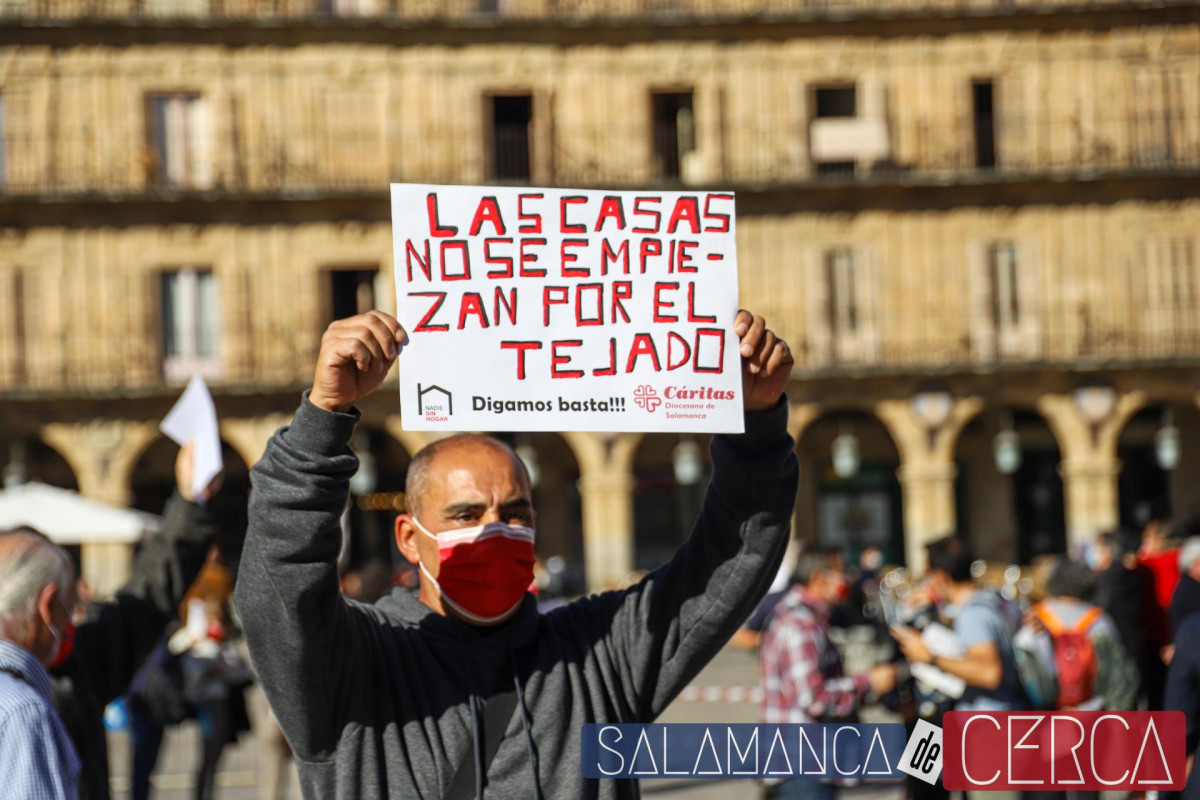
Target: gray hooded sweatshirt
387, 700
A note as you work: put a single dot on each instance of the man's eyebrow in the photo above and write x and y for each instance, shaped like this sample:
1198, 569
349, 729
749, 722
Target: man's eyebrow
459, 508
517, 502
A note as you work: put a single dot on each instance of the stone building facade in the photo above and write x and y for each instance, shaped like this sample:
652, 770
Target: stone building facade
976, 223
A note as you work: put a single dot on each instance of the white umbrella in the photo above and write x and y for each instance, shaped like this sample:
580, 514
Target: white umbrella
69, 518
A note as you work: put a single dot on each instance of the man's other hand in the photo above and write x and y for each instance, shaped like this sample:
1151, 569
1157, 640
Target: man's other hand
185, 469
766, 362
882, 678
356, 354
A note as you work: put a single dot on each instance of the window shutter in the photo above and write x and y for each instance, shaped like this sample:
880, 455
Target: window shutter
1029, 296
820, 326
983, 325
867, 273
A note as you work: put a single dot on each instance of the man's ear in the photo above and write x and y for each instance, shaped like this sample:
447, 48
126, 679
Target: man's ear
406, 538
45, 602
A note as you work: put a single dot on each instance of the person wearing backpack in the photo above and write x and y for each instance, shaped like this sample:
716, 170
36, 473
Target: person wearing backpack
1069, 652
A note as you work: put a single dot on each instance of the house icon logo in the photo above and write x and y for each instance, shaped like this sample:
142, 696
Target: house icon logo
434, 403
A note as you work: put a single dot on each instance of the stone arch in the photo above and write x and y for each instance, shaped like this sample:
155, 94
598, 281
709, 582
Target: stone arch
854, 511
1010, 516
152, 474
664, 506
376, 497
1146, 488
34, 459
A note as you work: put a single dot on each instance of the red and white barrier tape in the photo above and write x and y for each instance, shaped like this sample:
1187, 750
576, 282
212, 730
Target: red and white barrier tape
721, 694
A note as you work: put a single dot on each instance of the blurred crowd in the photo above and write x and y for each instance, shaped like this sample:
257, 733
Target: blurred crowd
1117, 629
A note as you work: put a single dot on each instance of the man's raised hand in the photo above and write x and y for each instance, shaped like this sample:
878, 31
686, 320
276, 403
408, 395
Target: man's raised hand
356, 354
766, 362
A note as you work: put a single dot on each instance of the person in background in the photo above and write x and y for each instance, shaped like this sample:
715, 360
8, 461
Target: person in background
214, 673
1158, 569
112, 644
750, 634
1159, 552
368, 582
1183, 694
37, 600
1075, 658
800, 669
155, 700
1113, 557
988, 665
1186, 599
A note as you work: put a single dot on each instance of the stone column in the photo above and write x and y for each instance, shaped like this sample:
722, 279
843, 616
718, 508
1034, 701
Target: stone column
102, 453
927, 490
1089, 466
606, 495
927, 471
607, 528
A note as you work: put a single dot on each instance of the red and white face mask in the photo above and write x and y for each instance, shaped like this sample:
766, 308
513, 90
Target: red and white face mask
484, 570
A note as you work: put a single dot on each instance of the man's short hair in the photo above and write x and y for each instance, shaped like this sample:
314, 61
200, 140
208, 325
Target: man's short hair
1189, 553
950, 555
29, 562
813, 561
1069, 578
416, 482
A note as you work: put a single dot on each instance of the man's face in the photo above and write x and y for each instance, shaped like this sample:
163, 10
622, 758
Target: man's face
939, 586
831, 584
469, 484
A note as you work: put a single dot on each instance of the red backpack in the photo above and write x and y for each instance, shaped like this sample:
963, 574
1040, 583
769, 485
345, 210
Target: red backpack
1075, 661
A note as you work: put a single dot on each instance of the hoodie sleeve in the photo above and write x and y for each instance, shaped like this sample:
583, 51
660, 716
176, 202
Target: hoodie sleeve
297, 626
662, 631
112, 645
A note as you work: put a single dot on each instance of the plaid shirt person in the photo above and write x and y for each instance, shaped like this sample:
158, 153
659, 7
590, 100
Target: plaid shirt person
37, 759
801, 670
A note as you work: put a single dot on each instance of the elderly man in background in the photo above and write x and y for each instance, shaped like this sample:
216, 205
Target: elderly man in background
1185, 601
37, 759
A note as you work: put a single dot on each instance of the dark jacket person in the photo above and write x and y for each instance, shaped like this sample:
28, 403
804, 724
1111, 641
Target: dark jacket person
399, 699
111, 646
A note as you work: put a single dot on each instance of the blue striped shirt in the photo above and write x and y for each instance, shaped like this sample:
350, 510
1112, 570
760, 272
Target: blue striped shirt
37, 759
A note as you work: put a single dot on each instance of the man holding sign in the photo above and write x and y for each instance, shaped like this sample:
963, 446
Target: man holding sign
563, 309
466, 687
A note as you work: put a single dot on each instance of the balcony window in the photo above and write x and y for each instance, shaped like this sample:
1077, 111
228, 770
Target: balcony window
509, 142
189, 324
351, 292
179, 141
1003, 286
984, 124
673, 131
847, 129
841, 278
179, 9
1165, 291
3, 144
842, 306
836, 102
348, 8
1005, 323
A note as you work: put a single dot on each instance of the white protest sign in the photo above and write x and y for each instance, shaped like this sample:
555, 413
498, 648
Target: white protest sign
558, 309
194, 418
